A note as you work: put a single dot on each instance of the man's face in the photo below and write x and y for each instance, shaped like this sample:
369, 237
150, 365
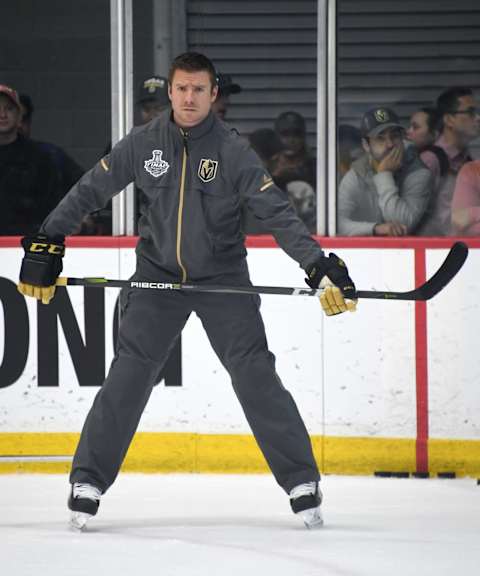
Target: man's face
294, 141
192, 96
150, 109
464, 122
10, 116
220, 106
381, 145
418, 131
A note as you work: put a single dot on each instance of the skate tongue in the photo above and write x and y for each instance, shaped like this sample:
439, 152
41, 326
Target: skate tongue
307, 489
86, 491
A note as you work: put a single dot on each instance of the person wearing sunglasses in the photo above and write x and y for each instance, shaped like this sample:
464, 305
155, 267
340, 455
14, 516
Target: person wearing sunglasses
459, 124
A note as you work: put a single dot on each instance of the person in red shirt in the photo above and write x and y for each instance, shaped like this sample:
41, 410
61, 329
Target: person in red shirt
459, 124
466, 201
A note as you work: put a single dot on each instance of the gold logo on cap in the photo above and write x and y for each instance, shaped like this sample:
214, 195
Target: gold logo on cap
153, 84
207, 169
381, 115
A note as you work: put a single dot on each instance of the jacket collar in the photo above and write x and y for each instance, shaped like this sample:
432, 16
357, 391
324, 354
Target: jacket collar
197, 131
362, 166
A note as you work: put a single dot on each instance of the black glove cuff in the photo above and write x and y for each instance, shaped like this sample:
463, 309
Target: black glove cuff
40, 272
337, 272
316, 271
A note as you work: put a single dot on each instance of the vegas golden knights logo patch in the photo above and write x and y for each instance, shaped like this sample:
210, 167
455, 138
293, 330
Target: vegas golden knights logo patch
382, 115
207, 169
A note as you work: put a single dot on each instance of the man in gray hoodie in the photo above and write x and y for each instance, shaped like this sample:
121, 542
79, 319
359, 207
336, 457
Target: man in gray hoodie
387, 190
194, 173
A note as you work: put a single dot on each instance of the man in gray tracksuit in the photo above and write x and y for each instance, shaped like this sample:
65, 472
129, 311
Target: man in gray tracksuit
192, 170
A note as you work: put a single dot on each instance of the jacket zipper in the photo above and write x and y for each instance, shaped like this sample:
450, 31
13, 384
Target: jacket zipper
180, 206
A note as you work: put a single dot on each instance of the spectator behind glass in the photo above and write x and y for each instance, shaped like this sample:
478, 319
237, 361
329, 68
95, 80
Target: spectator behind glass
459, 124
423, 132
296, 172
270, 148
152, 98
349, 144
466, 201
299, 163
226, 87
29, 182
386, 191
69, 172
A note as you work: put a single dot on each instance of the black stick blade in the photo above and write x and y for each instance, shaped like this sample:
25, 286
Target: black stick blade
452, 264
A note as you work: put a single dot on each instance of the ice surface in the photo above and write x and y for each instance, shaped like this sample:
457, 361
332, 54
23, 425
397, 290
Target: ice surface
213, 525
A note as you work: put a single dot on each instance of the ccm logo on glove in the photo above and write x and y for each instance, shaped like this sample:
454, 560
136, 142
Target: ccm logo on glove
41, 266
50, 248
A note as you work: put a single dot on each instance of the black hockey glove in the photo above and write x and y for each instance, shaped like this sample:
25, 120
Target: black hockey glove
41, 266
332, 274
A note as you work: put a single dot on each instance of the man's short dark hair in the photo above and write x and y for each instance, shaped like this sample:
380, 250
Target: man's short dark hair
193, 62
447, 102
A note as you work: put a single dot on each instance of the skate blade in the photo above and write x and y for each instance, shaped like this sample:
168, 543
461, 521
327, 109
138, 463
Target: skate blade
312, 518
78, 521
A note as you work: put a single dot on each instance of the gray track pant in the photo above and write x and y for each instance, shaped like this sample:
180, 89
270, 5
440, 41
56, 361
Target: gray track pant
150, 323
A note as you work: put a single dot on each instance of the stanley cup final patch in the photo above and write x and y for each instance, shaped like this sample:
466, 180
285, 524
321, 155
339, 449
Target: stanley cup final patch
207, 169
156, 166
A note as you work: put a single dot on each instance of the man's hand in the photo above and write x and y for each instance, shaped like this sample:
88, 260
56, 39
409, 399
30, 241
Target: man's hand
392, 161
339, 293
41, 266
389, 229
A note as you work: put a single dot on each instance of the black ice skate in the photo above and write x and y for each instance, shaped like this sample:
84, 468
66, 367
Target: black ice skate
83, 501
306, 500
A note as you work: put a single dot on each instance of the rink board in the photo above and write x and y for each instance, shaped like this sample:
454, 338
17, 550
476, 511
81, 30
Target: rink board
354, 377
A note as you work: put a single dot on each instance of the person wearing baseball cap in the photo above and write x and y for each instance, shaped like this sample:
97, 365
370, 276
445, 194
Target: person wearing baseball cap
29, 183
226, 87
377, 120
10, 114
152, 97
11, 94
386, 192
299, 162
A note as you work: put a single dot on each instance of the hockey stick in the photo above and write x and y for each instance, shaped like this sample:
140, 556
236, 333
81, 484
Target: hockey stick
452, 264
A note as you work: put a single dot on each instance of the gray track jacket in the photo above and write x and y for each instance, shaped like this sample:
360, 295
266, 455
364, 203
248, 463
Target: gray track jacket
193, 182
366, 198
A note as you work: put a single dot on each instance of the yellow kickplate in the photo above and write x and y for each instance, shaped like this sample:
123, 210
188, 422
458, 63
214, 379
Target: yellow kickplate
153, 452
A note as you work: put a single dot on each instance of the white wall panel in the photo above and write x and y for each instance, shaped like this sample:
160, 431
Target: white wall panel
351, 375
24, 406
369, 356
454, 352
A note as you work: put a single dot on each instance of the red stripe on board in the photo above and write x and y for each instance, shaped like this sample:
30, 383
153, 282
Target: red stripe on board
421, 355
81, 241
268, 242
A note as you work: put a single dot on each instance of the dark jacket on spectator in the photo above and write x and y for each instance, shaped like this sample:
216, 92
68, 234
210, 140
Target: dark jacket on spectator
29, 187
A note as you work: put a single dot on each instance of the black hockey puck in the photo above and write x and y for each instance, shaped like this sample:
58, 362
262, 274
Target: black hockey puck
446, 475
421, 475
